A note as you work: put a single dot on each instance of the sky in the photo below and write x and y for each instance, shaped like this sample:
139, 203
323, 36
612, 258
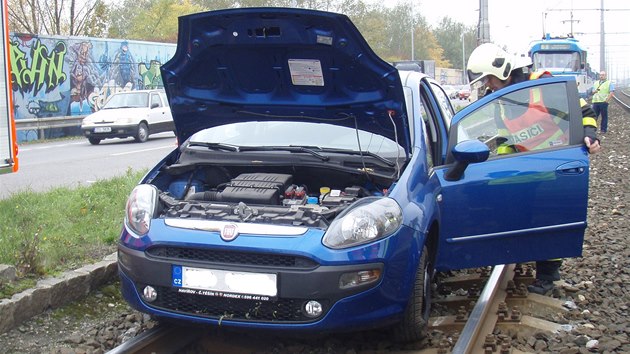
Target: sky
514, 24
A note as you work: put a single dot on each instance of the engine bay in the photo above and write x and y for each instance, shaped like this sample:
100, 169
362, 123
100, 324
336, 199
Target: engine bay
285, 195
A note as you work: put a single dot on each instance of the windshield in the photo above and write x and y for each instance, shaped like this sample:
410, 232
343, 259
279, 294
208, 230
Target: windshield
557, 62
127, 100
298, 134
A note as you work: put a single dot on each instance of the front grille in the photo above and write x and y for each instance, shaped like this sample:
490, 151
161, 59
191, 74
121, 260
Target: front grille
281, 310
174, 254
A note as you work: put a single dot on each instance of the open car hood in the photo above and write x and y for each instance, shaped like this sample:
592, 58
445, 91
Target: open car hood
283, 64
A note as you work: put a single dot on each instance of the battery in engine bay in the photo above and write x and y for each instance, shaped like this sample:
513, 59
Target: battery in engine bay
338, 197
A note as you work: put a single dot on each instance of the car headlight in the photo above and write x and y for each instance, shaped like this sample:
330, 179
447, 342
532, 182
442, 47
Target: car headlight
368, 219
141, 206
123, 120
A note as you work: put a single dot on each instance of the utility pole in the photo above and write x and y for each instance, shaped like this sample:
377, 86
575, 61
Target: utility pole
463, 57
412, 46
571, 21
602, 39
483, 28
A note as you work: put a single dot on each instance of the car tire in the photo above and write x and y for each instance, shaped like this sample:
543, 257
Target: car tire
414, 324
142, 134
94, 141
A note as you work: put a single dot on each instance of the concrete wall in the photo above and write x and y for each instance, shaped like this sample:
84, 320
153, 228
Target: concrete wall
448, 76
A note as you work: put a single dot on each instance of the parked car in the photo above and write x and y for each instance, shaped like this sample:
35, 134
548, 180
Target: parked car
451, 91
126, 114
463, 92
316, 188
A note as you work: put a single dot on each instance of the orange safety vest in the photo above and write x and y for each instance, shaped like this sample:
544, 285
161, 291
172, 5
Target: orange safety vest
535, 129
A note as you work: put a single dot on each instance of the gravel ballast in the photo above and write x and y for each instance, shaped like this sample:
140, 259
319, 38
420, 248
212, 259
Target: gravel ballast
596, 284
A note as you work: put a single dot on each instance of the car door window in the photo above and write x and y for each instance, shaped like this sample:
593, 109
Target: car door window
444, 102
533, 118
155, 98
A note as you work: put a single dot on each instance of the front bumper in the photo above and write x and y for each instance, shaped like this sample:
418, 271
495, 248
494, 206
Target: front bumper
300, 280
116, 131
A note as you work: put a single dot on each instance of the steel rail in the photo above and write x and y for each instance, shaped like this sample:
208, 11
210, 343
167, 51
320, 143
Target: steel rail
163, 339
619, 101
483, 317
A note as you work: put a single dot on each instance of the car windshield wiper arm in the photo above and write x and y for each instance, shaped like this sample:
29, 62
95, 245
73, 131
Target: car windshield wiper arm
291, 148
363, 153
215, 146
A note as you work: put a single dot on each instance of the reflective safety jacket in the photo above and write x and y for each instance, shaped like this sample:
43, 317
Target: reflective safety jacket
535, 129
601, 91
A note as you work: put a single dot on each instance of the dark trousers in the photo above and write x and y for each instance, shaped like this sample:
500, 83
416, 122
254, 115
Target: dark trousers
548, 270
601, 108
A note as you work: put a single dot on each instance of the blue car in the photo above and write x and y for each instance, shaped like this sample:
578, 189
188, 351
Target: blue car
317, 188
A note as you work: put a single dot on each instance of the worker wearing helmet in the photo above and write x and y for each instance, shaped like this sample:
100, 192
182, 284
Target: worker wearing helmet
492, 68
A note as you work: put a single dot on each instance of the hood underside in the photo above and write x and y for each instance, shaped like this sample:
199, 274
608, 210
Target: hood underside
256, 64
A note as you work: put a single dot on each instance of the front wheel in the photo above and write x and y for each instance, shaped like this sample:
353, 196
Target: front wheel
142, 134
94, 141
413, 327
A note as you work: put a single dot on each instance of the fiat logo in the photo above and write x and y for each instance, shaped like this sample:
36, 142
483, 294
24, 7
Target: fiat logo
229, 232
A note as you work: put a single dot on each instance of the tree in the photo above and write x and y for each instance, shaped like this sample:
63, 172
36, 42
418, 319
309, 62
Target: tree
149, 20
56, 17
449, 35
96, 25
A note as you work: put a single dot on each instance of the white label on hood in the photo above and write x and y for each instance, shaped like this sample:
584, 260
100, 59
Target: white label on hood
306, 72
324, 40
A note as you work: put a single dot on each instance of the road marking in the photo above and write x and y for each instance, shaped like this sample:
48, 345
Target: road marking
143, 150
49, 146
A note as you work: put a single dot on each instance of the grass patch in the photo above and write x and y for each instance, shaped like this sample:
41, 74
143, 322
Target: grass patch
43, 234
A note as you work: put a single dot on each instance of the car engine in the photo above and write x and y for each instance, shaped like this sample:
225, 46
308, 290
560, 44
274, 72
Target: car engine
275, 198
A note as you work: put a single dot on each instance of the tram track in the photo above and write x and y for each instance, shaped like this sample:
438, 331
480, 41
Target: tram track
623, 100
483, 309
455, 307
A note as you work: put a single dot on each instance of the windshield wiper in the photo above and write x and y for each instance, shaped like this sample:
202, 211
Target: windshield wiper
215, 146
362, 153
291, 148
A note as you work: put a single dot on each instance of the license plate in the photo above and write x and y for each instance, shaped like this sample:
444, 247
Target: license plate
222, 283
102, 129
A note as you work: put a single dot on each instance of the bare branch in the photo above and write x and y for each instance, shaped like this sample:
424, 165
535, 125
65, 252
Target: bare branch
17, 15
81, 21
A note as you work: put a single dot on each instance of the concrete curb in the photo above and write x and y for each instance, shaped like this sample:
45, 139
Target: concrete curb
51, 293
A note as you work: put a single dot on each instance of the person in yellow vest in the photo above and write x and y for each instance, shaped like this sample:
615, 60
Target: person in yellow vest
492, 67
602, 94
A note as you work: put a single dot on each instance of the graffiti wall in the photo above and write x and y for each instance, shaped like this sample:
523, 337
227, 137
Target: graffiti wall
73, 76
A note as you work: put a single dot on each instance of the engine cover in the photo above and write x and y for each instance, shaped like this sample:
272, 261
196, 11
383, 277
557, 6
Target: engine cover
256, 188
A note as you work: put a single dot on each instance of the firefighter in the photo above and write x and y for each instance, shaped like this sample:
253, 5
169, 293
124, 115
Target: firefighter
494, 69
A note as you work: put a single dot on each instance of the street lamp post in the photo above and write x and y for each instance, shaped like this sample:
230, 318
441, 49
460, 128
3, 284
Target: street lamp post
463, 59
412, 48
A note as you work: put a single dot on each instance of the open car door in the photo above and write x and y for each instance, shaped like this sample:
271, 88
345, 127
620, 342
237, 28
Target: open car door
526, 205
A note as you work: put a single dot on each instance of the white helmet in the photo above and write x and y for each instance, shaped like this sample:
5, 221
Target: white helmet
490, 59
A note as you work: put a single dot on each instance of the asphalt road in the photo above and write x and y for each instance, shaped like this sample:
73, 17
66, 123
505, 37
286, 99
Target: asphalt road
74, 163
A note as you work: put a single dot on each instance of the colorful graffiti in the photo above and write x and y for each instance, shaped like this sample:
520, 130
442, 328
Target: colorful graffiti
72, 76
45, 68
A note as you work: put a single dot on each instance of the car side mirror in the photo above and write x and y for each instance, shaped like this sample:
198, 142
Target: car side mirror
465, 153
155, 105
